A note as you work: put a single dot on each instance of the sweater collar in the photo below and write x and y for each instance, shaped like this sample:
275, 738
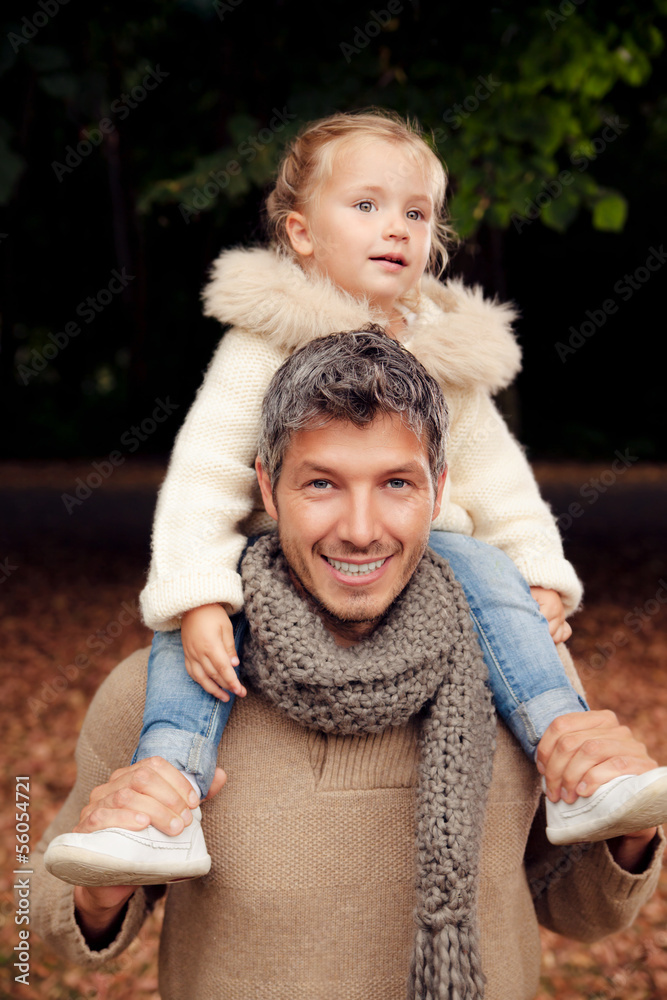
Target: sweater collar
460, 337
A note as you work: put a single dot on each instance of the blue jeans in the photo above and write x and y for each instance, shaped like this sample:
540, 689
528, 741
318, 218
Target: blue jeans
529, 684
184, 724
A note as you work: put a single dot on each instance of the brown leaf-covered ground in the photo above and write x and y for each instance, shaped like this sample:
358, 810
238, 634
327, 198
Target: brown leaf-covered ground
68, 574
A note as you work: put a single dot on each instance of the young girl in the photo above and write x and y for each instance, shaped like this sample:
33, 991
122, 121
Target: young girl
357, 219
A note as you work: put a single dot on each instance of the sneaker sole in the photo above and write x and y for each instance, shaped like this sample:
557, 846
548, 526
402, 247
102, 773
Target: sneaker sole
81, 867
645, 809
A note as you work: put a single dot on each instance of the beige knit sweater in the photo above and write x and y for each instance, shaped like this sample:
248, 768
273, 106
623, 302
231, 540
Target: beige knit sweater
210, 501
312, 885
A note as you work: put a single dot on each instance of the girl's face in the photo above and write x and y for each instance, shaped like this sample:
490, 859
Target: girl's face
369, 227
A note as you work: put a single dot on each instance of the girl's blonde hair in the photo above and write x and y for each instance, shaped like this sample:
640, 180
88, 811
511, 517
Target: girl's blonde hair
308, 163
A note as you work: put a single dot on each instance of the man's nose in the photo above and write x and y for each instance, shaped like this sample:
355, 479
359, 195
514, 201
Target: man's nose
359, 525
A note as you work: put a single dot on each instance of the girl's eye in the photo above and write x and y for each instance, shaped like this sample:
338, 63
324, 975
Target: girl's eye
366, 206
414, 215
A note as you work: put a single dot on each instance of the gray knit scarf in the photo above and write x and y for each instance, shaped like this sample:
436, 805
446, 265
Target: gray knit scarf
423, 655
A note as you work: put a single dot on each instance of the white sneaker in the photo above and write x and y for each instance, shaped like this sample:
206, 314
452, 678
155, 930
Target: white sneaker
128, 857
623, 805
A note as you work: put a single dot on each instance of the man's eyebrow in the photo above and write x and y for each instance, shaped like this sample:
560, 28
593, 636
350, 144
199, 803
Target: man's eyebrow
308, 468
395, 472
409, 469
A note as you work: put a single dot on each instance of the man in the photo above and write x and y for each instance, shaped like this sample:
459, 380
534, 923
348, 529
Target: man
367, 695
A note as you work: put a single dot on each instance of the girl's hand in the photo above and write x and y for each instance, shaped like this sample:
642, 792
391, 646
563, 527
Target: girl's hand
552, 608
210, 655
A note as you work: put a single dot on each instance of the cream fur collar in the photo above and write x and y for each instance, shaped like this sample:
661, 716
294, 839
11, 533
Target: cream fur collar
463, 339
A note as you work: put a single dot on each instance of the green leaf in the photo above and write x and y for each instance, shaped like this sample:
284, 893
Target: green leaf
561, 212
610, 213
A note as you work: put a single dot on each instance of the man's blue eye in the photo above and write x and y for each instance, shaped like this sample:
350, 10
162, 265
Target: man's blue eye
319, 484
397, 483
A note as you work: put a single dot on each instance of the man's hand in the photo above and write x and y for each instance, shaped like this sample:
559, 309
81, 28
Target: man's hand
551, 606
581, 751
210, 655
150, 792
99, 912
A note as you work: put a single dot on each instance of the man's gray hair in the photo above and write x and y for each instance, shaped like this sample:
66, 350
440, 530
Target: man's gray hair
353, 377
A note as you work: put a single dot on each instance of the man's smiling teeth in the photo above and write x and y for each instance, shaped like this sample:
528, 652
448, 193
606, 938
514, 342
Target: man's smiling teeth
355, 569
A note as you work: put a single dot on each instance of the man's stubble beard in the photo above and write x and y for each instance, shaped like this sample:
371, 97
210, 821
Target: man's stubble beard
353, 625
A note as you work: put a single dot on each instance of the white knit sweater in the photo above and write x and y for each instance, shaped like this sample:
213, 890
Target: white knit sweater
209, 501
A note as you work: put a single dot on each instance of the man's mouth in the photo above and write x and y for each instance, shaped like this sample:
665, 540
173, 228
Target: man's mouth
356, 569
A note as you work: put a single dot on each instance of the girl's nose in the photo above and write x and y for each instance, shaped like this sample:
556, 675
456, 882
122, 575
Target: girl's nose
397, 227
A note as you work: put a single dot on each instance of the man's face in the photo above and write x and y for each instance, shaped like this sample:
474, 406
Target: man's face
354, 508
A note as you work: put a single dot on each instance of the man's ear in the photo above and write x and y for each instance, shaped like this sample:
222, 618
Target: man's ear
266, 491
298, 231
438, 493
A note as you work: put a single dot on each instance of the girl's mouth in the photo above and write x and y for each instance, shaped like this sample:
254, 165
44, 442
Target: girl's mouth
392, 261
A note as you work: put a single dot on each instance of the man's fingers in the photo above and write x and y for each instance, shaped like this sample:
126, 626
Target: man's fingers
600, 761
219, 780
131, 810
617, 764
102, 818
585, 761
569, 725
581, 751
156, 777
151, 791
